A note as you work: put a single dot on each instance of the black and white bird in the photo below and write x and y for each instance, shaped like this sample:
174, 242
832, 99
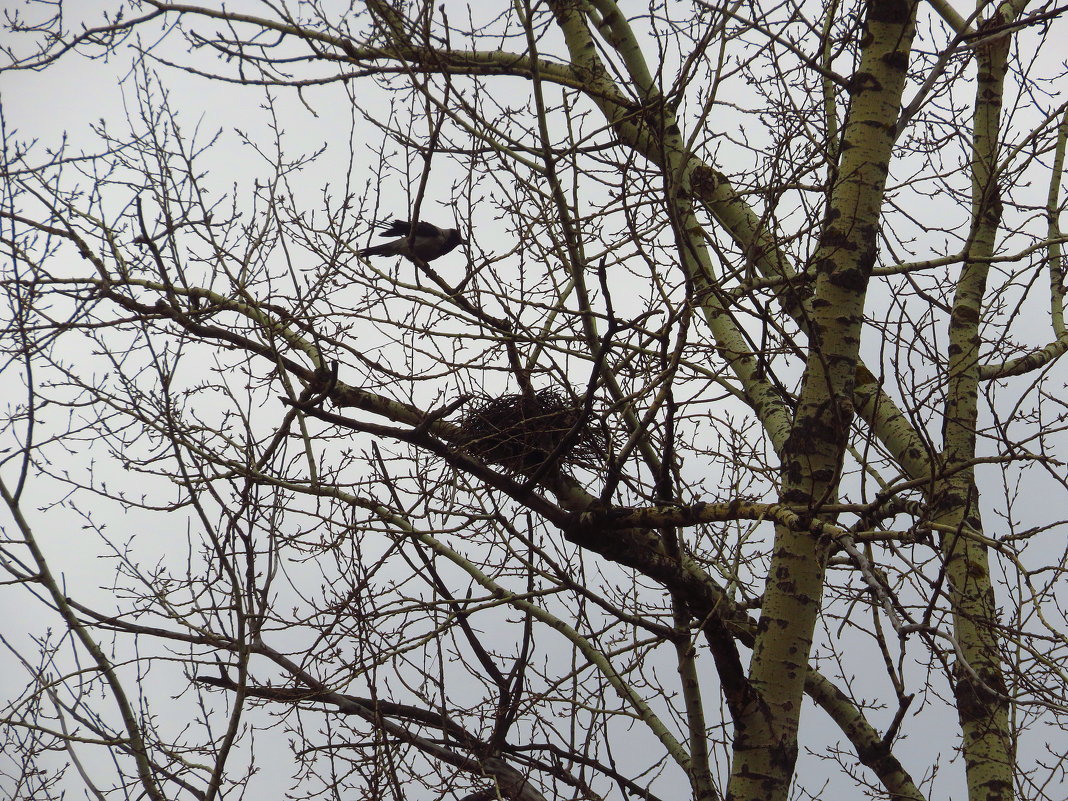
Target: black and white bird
421, 240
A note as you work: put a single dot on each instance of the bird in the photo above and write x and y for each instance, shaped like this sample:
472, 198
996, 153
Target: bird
419, 240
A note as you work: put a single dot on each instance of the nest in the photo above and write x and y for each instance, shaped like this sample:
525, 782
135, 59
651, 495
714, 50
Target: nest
520, 433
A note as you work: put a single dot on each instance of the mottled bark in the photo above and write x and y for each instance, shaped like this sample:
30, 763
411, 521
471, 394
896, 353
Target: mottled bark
765, 746
982, 705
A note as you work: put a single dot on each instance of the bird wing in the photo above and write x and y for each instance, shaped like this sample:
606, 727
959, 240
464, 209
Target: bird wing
394, 228
427, 230
404, 228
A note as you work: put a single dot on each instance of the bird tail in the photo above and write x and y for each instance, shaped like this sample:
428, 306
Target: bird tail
387, 249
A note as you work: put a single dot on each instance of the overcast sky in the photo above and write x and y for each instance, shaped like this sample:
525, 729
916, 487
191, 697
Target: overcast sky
64, 103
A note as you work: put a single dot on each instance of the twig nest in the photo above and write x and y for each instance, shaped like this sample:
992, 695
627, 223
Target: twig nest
520, 432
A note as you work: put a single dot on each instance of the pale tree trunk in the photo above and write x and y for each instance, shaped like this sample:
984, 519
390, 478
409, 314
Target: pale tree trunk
765, 747
980, 690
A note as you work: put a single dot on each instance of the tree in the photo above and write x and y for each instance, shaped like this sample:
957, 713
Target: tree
743, 399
